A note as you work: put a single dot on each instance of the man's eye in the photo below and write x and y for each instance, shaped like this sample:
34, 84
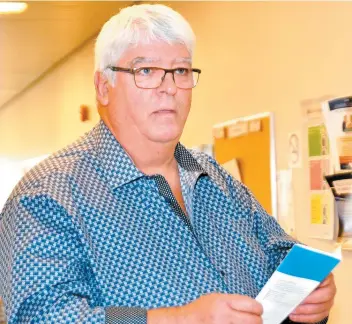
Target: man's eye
181, 71
145, 71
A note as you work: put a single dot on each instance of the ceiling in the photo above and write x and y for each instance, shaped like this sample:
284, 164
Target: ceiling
34, 42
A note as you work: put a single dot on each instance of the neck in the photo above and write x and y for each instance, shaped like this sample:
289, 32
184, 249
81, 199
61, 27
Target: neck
149, 157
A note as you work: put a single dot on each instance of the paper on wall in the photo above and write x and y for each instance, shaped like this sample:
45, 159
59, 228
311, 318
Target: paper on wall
285, 201
338, 119
341, 187
233, 168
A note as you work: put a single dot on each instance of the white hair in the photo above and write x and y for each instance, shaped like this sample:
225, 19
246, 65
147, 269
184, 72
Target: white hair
139, 24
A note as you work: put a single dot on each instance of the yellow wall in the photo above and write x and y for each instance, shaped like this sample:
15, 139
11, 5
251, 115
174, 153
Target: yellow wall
255, 57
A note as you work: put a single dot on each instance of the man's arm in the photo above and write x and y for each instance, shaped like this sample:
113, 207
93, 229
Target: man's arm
273, 240
45, 275
276, 243
46, 278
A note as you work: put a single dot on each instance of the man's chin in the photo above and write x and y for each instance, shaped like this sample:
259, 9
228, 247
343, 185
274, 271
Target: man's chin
167, 136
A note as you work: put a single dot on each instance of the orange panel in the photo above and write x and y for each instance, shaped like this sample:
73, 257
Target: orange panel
253, 154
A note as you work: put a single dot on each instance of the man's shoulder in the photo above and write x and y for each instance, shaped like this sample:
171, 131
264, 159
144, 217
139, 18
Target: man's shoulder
209, 164
59, 169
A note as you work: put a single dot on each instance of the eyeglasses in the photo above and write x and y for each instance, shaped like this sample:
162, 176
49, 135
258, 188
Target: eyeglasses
153, 77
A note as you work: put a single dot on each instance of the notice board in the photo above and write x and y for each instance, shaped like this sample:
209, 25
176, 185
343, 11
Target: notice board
250, 140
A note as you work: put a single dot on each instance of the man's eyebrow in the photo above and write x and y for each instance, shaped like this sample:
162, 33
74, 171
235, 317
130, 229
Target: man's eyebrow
183, 60
142, 59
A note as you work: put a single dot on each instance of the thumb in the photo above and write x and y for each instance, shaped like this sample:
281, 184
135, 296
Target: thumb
244, 304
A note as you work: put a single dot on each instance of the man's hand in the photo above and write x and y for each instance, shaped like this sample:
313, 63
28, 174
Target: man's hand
211, 309
318, 304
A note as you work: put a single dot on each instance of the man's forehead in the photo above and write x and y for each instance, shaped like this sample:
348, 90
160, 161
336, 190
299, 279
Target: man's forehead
146, 59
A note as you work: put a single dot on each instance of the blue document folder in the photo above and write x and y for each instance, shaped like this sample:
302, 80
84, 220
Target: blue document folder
308, 263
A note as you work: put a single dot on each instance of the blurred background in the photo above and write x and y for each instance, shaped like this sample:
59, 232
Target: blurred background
255, 57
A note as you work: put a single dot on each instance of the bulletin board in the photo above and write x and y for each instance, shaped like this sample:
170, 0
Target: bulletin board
250, 140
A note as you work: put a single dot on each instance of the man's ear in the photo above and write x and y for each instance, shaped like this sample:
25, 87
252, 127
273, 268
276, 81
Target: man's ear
101, 88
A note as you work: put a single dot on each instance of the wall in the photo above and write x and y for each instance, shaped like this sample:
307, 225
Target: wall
46, 117
270, 56
255, 57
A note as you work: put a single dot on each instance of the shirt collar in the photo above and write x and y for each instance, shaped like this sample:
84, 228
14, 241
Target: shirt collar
119, 168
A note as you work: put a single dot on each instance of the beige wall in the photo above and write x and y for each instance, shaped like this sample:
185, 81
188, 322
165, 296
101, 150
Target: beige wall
254, 57
263, 56
47, 117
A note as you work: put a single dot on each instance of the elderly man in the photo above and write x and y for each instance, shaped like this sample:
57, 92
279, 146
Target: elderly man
128, 226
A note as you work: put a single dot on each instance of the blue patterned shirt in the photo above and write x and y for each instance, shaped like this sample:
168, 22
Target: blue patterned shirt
86, 237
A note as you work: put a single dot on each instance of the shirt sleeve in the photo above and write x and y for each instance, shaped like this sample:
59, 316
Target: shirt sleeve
288, 321
274, 241
45, 273
126, 315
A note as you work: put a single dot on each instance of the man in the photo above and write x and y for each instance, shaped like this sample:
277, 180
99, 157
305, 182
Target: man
128, 226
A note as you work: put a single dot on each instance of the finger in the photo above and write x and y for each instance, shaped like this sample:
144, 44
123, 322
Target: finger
245, 318
321, 295
327, 280
313, 318
307, 309
245, 304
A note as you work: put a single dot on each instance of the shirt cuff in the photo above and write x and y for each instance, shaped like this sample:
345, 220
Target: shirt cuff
288, 321
125, 315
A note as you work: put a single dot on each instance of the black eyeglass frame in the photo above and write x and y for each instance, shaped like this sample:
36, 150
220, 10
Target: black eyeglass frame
136, 70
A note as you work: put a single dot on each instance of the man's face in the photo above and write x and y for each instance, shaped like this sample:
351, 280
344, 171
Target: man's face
159, 114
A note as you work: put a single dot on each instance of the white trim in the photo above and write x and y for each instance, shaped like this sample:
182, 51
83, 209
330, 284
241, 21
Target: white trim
246, 118
273, 167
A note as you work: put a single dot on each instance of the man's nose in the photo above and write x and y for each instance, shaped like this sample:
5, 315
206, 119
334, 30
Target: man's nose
168, 83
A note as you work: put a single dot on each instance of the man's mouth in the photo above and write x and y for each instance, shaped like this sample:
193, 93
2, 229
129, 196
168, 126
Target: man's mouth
165, 111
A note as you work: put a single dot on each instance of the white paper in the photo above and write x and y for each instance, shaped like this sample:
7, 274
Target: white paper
255, 126
232, 168
344, 209
343, 186
237, 129
286, 216
287, 288
322, 209
219, 132
338, 119
282, 294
